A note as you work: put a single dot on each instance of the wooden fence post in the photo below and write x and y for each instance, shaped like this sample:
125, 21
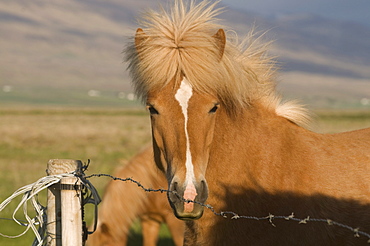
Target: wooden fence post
64, 223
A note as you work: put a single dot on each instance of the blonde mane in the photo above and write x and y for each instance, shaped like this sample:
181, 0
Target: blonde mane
180, 42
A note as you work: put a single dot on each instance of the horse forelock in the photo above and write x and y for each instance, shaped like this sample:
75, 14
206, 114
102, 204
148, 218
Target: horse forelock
180, 43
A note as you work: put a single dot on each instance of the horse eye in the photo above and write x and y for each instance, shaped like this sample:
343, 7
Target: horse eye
152, 110
214, 109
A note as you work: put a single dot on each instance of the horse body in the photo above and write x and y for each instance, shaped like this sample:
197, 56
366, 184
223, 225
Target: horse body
281, 156
286, 169
124, 202
222, 136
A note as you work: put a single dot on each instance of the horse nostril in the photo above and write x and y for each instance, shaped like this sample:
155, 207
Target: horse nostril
174, 190
203, 190
173, 194
203, 185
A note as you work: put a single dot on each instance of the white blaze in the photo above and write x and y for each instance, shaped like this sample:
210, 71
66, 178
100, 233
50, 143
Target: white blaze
183, 96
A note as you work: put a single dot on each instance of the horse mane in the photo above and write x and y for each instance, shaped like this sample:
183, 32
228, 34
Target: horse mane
180, 42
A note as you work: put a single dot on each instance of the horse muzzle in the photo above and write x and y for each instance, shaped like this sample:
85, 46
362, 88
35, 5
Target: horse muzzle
186, 199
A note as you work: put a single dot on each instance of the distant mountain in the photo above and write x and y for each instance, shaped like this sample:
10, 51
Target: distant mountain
355, 11
345, 43
50, 47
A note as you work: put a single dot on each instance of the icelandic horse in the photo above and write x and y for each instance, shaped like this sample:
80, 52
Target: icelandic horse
124, 202
222, 136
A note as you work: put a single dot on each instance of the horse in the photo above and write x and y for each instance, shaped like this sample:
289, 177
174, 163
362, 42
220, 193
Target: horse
124, 202
223, 136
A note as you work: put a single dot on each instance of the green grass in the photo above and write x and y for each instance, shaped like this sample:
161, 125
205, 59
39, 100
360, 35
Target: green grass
69, 97
340, 121
30, 137
108, 137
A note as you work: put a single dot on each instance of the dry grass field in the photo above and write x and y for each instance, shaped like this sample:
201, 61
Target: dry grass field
108, 137
29, 138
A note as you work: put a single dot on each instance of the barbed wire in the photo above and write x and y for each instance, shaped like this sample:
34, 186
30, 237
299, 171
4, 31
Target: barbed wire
232, 215
29, 194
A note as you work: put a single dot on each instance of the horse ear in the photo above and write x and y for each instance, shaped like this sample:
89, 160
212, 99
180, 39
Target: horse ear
140, 37
220, 38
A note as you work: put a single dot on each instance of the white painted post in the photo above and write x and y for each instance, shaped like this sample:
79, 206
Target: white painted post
64, 226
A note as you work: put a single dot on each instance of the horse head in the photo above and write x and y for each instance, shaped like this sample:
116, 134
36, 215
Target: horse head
183, 123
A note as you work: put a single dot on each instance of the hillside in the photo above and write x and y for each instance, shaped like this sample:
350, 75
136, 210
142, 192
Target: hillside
54, 52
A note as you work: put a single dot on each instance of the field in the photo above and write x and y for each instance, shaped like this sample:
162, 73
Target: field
108, 137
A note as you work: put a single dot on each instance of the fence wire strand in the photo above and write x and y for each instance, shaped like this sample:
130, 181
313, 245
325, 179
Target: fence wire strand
232, 215
30, 192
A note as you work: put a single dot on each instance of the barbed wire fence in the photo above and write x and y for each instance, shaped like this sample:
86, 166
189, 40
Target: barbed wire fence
38, 223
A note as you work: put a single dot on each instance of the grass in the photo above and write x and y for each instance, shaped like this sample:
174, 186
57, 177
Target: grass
29, 138
68, 97
108, 137
341, 120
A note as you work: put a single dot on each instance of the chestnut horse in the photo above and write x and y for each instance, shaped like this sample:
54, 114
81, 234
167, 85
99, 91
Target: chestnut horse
124, 202
222, 136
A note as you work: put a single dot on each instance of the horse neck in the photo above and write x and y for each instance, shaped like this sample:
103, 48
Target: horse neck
251, 126
249, 144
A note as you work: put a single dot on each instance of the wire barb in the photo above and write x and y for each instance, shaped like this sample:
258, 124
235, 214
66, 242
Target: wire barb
270, 217
235, 217
290, 216
304, 221
356, 230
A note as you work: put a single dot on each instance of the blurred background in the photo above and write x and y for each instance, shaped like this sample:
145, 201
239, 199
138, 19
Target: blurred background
65, 92
68, 53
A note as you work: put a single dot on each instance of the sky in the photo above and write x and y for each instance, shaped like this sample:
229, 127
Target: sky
347, 10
